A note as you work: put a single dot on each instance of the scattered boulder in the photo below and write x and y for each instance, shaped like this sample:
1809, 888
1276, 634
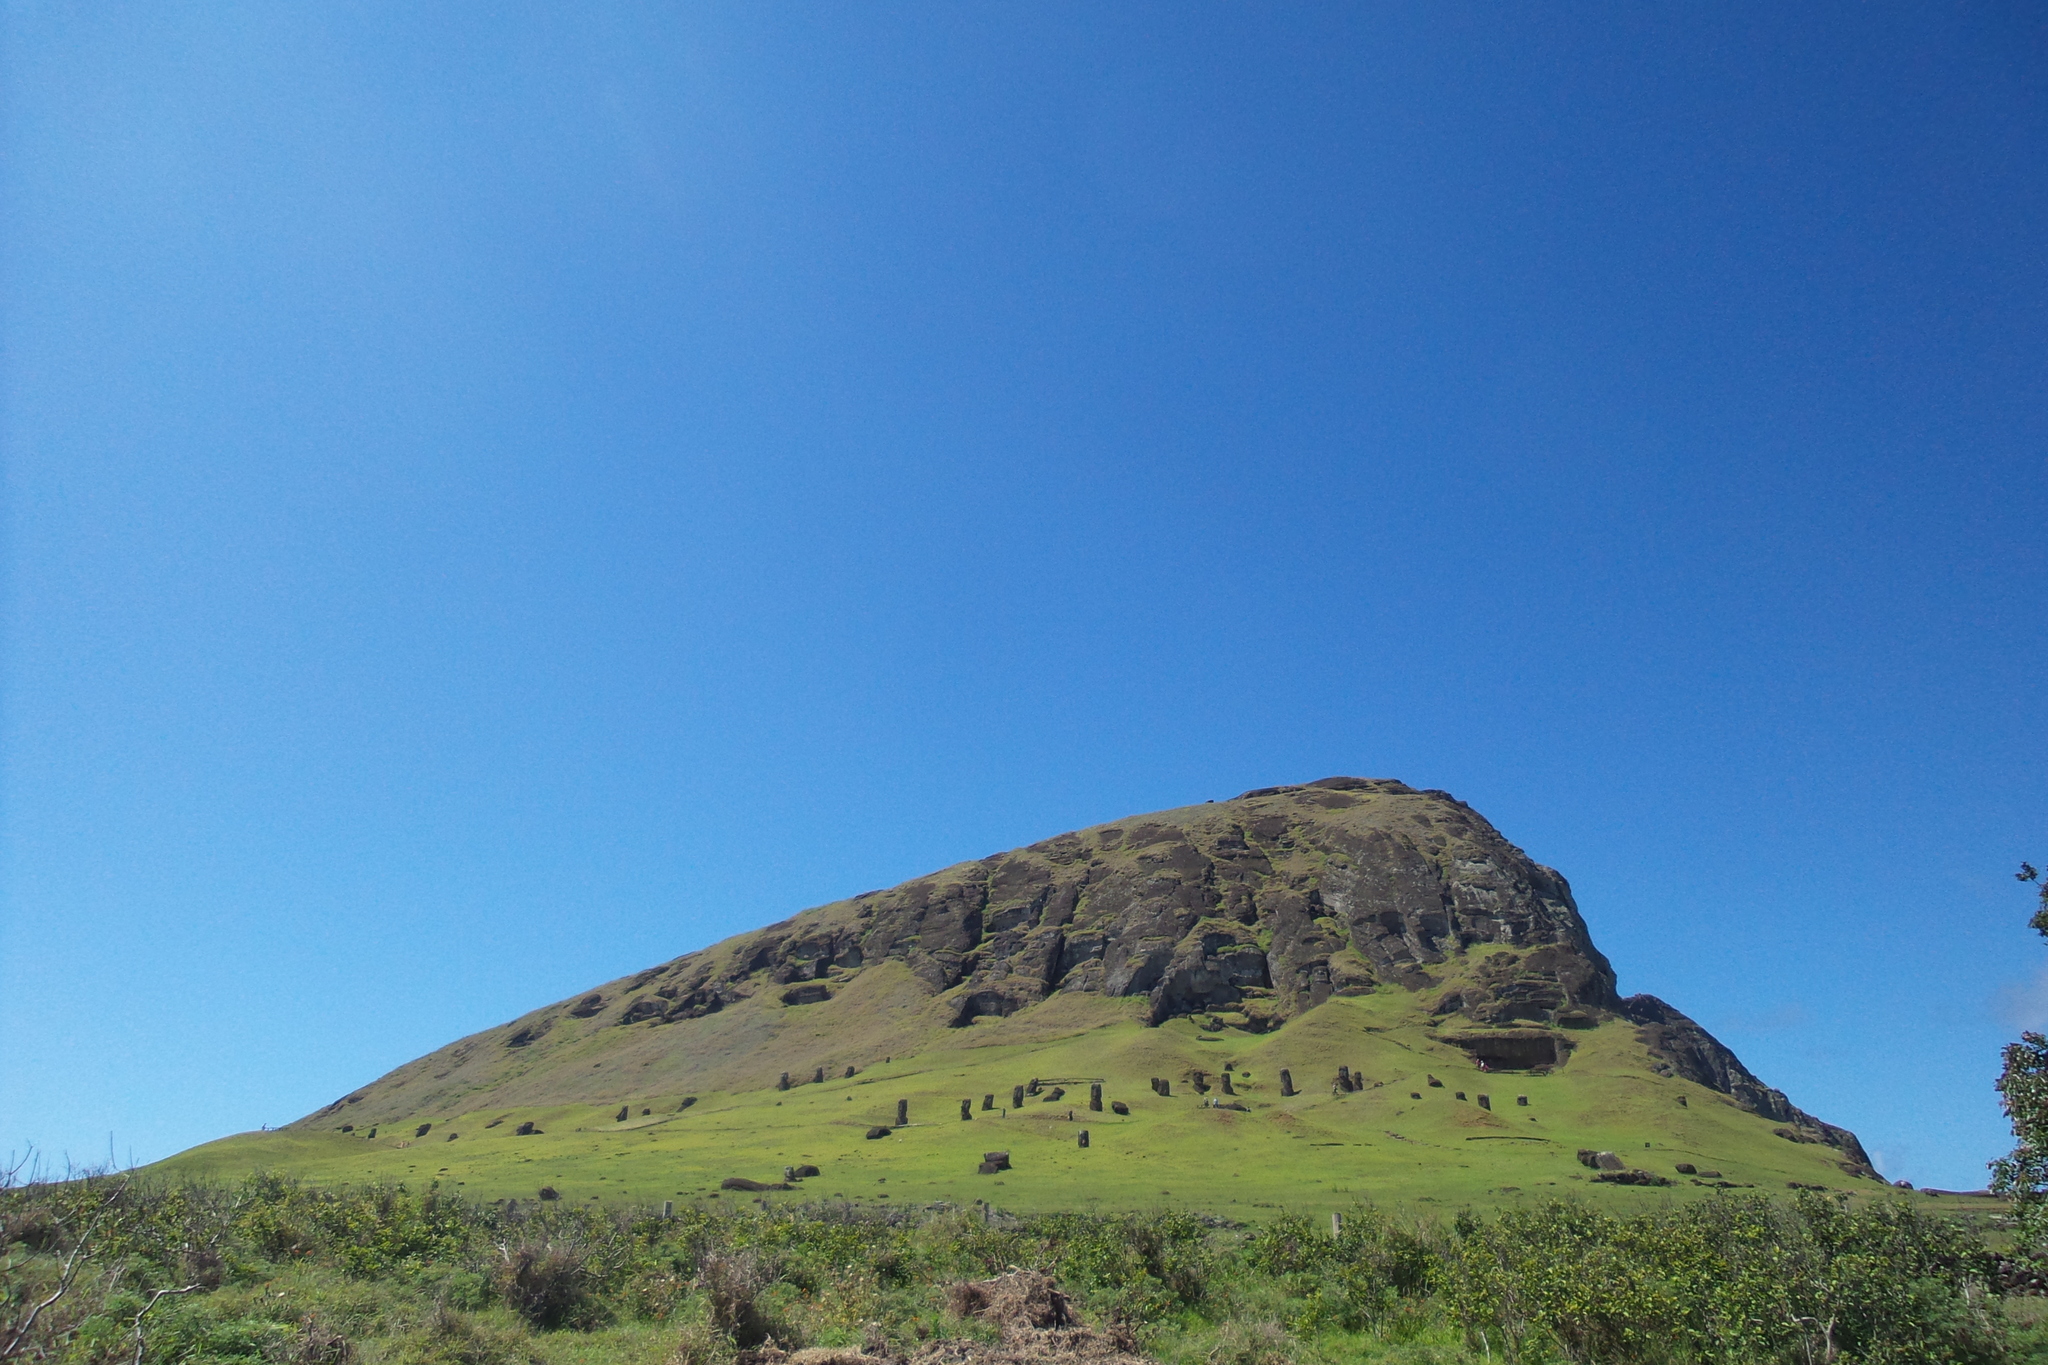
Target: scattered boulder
1434, 1083
1119, 1107
525, 1129
805, 1172
1686, 1168
878, 1131
993, 1162
1632, 1178
739, 1182
1522, 1100
1415, 1094
587, 1006
453, 1136
1056, 1094
1461, 1094
1599, 1161
423, 1130
348, 1127
549, 1193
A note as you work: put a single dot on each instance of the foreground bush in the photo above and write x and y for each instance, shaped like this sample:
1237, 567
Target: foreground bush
269, 1272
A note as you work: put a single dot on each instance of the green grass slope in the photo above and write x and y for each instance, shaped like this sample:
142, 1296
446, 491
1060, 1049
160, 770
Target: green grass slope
1400, 1142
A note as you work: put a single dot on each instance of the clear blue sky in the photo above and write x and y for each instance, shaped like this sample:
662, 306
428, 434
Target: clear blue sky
502, 495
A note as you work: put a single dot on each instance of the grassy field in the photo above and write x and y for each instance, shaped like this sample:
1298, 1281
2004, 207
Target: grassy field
1401, 1142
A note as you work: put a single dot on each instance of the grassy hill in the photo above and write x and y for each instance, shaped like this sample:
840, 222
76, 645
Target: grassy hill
1346, 926
1381, 1143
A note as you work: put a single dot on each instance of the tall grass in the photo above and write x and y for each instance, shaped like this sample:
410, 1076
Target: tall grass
108, 1271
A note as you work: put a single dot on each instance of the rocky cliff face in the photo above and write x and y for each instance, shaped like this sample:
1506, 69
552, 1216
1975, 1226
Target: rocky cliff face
1244, 913
1250, 910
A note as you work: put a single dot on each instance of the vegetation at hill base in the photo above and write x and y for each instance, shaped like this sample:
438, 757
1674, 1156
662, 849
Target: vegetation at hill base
269, 1271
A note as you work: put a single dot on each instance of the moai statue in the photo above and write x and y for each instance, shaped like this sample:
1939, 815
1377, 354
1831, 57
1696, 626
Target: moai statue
1344, 1079
1485, 1101
1522, 1100
1286, 1083
625, 1112
1032, 1089
1226, 1084
1016, 1097
849, 1074
1094, 1099
783, 1082
966, 1110
1165, 1087
819, 1079
1084, 1137
902, 1112
988, 1102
